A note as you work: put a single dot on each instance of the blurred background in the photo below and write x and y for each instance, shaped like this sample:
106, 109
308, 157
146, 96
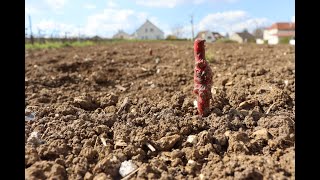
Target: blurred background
256, 21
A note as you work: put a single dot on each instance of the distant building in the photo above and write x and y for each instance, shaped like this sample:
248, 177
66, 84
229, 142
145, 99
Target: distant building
292, 41
242, 37
122, 35
259, 41
209, 36
148, 31
277, 31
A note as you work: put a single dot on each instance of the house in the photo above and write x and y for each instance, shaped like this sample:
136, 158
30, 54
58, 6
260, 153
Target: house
278, 31
259, 41
292, 41
96, 38
242, 37
209, 36
121, 35
148, 31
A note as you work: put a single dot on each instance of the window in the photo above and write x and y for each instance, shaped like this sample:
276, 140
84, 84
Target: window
209, 37
151, 30
158, 37
146, 30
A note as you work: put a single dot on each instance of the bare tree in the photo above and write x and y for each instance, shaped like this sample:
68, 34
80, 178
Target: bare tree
258, 33
177, 30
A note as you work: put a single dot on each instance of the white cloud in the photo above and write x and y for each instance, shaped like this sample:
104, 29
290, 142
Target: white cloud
89, 6
50, 27
104, 24
29, 9
174, 3
230, 21
56, 4
110, 21
162, 3
111, 4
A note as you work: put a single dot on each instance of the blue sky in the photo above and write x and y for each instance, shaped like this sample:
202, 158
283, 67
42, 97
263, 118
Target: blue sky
106, 17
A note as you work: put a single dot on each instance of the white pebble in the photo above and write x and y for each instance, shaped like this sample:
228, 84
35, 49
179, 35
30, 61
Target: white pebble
127, 167
157, 60
29, 117
191, 162
193, 139
195, 103
34, 139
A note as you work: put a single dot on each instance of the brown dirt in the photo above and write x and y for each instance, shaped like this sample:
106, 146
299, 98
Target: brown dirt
130, 98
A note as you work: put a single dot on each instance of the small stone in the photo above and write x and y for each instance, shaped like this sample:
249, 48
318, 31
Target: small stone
29, 116
34, 139
157, 60
191, 162
88, 176
126, 168
166, 143
227, 133
125, 104
195, 104
193, 139
262, 134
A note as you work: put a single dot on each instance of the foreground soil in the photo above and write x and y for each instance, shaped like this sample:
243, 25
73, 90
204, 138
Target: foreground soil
88, 109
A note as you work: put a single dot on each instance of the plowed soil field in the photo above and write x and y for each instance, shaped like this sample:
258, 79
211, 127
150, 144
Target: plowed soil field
91, 110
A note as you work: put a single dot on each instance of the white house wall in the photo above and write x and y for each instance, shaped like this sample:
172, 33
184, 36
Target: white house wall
149, 31
259, 41
268, 34
273, 40
236, 37
208, 37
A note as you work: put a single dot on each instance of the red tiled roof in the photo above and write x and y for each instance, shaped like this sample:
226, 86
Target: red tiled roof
285, 34
282, 26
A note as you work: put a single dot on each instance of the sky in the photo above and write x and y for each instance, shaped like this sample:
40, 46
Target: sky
106, 17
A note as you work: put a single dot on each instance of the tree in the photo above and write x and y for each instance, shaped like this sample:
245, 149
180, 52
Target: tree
258, 33
171, 37
245, 30
177, 30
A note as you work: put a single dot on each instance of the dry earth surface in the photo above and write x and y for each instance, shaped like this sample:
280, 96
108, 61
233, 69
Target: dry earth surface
89, 109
